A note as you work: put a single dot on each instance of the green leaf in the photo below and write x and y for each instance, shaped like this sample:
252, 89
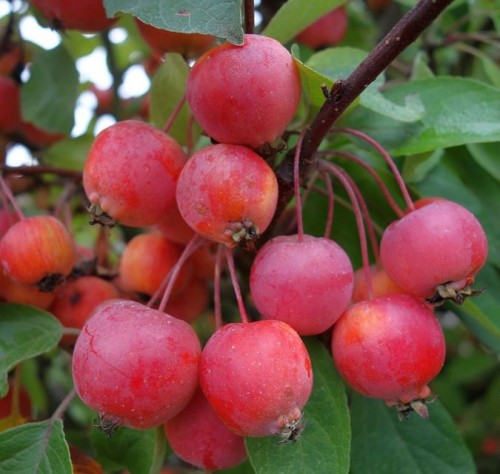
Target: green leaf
383, 443
138, 451
35, 448
70, 153
324, 444
295, 15
457, 111
25, 332
167, 89
486, 155
222, 18
49, 96
333, 64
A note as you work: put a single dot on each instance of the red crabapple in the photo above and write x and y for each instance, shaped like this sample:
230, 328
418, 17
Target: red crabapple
307, 284
381, 284
76, 300
191, 302
147, 260
131, 172
390, 348
7, 218
247, 94
174, 227
136, 366
10, 105
227, 193
15, 292
88, 16
199, 437
257, 377
38, 251
328, 30
435, 251
190, 45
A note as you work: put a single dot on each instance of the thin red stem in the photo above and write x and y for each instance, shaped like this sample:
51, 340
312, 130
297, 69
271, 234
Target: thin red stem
390, 162
10, 197
296, 187
350, 156
236, 285
174, 114
217, 288
331, 204
347, 183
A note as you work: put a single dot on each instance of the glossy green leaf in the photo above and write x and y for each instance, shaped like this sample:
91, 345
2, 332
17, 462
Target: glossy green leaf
383, 443
333, 64
167, 90
69, 153
324, 444
222, 18
138, 451
25, 332
49, 96
457, 111
35, 448
295, 15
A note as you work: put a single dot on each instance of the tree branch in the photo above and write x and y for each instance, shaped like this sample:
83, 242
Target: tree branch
344, 92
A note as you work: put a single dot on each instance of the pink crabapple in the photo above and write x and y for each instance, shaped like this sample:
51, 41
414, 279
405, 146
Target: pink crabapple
307, 284
199, 437
435, 251
327, 30
245, 95
257, 377
227, 193
136, 366
390, 347
131, 173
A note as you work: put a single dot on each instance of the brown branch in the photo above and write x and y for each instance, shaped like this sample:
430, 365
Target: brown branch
344, 92
249, 7
41, 169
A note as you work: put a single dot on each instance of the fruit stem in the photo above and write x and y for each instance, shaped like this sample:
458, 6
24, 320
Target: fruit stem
236, 285
331, 204
10, 197
296, 187
174, 114
217, 289
390, 162
249, 16
373, 173
354, 196
63, 405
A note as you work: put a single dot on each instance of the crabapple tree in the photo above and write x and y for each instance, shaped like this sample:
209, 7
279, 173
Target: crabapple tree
249, 237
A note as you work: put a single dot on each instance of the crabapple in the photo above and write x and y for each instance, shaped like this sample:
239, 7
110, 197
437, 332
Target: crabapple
174, 227
38, 250
305, 283
389, 347
381, 283
136, 366
435, 251
257, 377
7, 218
131, 172
247, 94
227, 193
10, 105
14, 292
88, 16
76, 300
147, 260
190, 45
199, 437
191, 302
328, 30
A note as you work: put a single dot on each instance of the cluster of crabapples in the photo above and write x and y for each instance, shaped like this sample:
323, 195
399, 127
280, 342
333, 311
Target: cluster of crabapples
142, 365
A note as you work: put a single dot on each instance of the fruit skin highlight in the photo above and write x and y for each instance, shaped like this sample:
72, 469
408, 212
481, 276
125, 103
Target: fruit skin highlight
257, 377
227, 193
440, 243
245, 95
136, 366
131, 173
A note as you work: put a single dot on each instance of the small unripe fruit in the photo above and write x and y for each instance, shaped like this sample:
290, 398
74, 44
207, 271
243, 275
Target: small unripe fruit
38, 251
247, 94
257, 377
136, 366
227, 193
